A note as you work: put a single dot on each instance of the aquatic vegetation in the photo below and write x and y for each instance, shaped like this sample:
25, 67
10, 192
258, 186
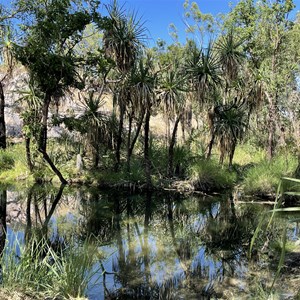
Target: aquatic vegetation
37, 268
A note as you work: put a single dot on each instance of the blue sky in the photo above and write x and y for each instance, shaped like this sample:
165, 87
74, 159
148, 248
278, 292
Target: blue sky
159, 14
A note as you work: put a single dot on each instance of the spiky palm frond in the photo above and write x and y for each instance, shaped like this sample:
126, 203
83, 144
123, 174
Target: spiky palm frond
142, 84
204, 70
172, 85
230, 54
123, 36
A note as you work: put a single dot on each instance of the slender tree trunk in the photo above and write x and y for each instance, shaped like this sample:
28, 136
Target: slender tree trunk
272, 127
42, 144
133, 141
172, 145
146, 149
129, 140
28, 154
2, 119
211, 116
167, 130
119, 137
231, 153
210, 145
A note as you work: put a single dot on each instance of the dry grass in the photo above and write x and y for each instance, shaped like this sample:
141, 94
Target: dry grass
14, 295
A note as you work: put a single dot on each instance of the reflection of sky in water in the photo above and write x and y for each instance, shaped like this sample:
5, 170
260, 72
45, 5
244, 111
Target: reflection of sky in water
170, 257
15, 239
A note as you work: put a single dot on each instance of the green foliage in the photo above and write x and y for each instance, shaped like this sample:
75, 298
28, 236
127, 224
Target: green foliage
123, 36
18, 169
208, 175
246, 155
36, 268
264, 177
6, 160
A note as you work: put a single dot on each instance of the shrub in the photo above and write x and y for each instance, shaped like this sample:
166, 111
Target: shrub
264, 177
36, 269
6, 160
208, 175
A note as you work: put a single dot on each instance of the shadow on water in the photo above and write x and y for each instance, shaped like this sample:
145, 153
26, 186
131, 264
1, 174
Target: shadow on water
157, 246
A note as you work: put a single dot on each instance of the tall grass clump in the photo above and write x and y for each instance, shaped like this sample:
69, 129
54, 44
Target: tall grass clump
35, 268
264, 177
6, 160
208, 175
13, 165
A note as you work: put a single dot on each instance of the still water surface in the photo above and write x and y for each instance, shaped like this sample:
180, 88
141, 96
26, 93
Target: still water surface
155, 246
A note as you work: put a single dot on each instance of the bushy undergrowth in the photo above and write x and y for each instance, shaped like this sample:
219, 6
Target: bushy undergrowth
247, 154
264, 177
35, 268
6, 160
13, 164
208, 175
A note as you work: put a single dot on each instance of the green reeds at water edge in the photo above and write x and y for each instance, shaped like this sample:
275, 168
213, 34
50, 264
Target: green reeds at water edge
287, 187
39, 270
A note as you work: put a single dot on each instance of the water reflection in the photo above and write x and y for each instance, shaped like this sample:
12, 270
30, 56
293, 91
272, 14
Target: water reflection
158, 246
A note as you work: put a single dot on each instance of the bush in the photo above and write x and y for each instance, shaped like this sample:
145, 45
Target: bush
263, 178
6, 160
36, 269
208, 175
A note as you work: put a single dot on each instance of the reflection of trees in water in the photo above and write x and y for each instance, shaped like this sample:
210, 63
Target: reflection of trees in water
227, 235
40, 208
202, 239
167, 247
3, 228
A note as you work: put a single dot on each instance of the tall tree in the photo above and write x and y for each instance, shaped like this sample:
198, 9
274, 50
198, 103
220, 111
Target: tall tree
123, 40
172, 88
143, 93
7, 62
265, 27
51, 30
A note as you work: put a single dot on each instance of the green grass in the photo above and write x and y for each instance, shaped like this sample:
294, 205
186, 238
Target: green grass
264, 177
42, 272
247, 154
208, 175
15, 156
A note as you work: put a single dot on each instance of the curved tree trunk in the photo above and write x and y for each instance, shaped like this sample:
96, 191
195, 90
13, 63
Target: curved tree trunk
2, 119
131, 143
42, 143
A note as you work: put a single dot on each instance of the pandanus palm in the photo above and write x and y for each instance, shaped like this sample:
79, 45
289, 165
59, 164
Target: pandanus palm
122, 41
123, 37
172, 87
203, 69
228, 120
229, 125
230, 55
142, 94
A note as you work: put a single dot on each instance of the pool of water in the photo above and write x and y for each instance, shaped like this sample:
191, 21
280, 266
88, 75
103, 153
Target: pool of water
154, 246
